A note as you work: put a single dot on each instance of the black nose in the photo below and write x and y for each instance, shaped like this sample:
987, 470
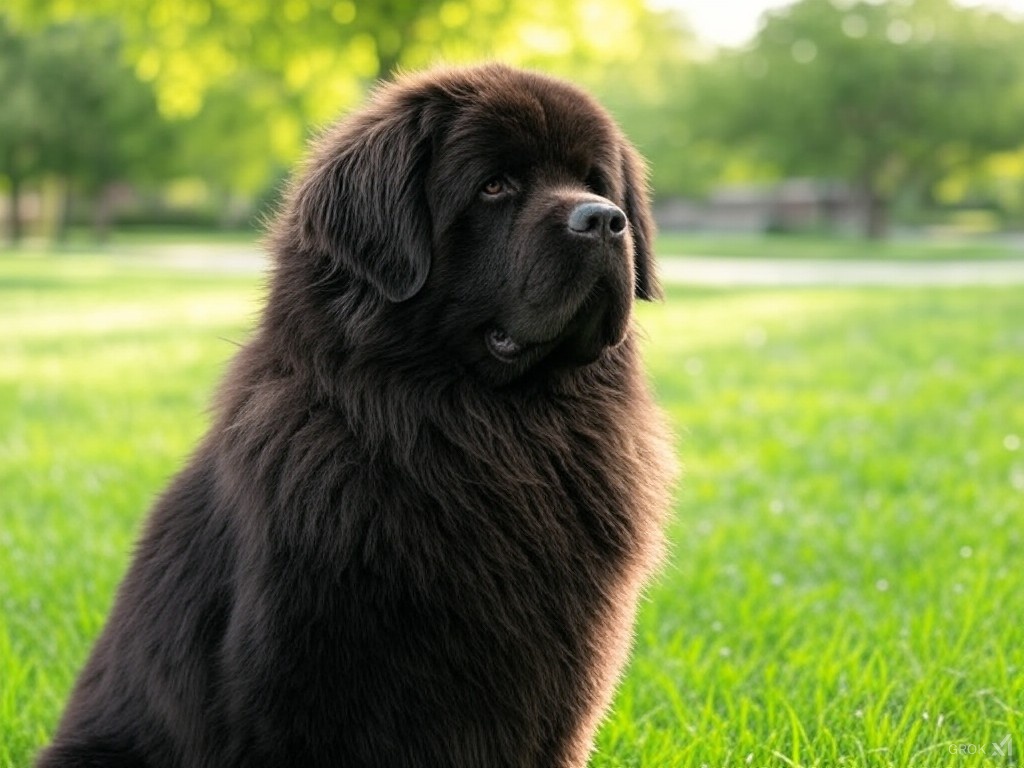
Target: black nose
598, 220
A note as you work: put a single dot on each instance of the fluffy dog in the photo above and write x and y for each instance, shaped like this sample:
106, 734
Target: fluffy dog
434, 486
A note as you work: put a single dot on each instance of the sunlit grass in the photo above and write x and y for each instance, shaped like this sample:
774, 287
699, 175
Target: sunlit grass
844, 586
105, 375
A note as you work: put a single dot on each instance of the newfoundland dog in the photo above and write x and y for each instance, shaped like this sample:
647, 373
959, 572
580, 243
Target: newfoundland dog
434, 487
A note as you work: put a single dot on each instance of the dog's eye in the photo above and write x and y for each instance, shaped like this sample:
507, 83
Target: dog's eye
595, 183
495, 187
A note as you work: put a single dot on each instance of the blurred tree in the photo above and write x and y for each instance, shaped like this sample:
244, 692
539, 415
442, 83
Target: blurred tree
318, 50
642, 76
888, 95
241, 83
73, 111
244, 81
20, 145
102, 122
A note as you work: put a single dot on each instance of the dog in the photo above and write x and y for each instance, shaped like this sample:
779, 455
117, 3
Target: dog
436, 480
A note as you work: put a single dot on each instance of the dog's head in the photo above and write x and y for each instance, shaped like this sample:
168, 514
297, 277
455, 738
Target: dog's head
499, 216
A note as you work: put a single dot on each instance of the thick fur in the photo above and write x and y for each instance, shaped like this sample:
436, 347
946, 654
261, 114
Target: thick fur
394, 548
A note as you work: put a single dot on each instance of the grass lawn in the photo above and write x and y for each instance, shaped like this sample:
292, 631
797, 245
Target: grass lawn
830, 247
779, 246
845, 586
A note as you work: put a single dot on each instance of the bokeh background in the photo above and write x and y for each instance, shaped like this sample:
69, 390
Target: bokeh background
839, 186
830, 115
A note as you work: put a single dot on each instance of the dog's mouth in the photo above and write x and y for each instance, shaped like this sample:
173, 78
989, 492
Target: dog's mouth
580, 340
502, 346
507, 349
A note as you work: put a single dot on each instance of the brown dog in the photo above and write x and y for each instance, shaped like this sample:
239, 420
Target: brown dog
416, 532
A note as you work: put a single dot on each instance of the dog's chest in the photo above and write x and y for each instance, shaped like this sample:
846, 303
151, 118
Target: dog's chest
531, 533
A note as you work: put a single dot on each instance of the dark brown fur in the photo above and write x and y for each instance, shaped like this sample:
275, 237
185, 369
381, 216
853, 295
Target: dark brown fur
393, 548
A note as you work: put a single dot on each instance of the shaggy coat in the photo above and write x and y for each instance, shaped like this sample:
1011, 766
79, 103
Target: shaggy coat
417, 529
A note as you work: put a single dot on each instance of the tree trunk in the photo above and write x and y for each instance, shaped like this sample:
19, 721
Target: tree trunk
102, 214
63, 223
14, 231
876, 211
877, 223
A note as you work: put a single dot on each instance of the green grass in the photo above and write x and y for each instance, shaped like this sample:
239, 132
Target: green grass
824, 247
845, 580
780, 246
84, 238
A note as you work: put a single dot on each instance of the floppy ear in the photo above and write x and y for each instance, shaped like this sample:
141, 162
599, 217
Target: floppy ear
641, 223
363, 199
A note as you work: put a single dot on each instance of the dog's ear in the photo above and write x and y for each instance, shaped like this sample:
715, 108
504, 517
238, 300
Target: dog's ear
363, 201
641, 222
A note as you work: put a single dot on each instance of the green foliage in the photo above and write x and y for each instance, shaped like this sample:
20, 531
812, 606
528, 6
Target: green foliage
645, 94
843, 587
19, 153
98, 121
910, 102
889, 96
75, 110
246, 82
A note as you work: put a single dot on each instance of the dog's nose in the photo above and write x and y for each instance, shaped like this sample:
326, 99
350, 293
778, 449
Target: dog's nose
597, 220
